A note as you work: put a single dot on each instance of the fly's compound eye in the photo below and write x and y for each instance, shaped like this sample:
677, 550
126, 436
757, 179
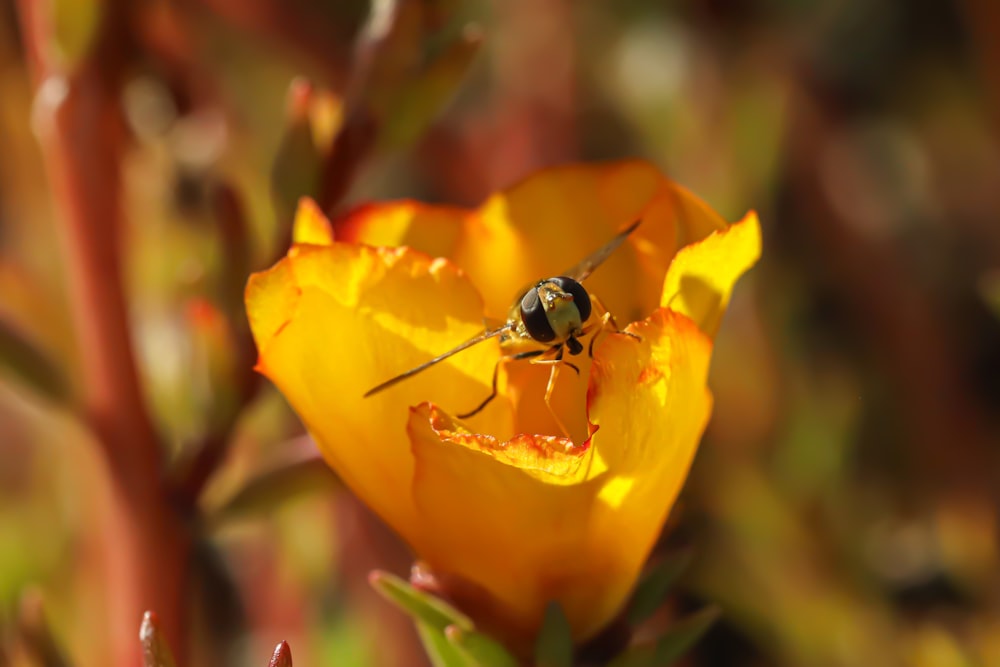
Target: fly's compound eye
533, 316
580, 297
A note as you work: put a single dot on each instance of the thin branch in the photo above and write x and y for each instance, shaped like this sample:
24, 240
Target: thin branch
82, 135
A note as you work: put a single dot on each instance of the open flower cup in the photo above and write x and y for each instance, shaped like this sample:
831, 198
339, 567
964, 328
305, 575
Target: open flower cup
503, 501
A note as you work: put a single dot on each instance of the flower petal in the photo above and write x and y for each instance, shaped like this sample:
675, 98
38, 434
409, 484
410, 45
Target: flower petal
695, 219
333, 321
701, 277
532, 520
650, 403
310, 225
434, 230
529, 519
509, 516
547, 223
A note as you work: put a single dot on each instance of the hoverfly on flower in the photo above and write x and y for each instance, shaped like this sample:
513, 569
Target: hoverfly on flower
548, 319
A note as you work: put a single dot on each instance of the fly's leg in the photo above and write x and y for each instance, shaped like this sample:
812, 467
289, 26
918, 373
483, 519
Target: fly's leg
555, 363
601, 326
555, 354
553, 374
607, 319
496, 371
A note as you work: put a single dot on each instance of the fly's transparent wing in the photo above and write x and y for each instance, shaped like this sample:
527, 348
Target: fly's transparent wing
475, 340
583, 269
578, 273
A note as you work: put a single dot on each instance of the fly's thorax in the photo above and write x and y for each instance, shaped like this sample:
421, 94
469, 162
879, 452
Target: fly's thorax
555, 309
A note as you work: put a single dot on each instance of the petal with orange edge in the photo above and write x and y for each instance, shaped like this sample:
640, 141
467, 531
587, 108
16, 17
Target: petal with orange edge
532, 521
550, 221
695, 219
650, 402
332, 321
547, 223
702, 276
432, 229
510, 517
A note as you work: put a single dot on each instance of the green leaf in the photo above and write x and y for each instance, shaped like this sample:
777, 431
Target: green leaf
273, 488
33, 630
32, 366
555, 642
655, 585
74, 26
989, 287
416, 103
441, 652
296, 170
447, 634
229, 211
389, 46
481, 650
409, 69
155, 652
423, 607
671, 646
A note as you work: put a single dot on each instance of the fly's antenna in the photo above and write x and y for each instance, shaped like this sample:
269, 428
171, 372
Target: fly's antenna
479, 338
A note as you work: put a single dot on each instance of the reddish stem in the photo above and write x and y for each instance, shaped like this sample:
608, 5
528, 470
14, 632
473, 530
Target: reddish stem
82, 135
282, 656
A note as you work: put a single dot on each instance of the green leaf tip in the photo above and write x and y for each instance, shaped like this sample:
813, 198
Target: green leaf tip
32, 628
440, 651
554, 647
671, 646
272, 488
422, 606
653, 589
295, 171
989, 288
20, 355
481, 650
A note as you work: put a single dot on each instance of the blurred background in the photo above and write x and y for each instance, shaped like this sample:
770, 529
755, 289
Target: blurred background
843, 508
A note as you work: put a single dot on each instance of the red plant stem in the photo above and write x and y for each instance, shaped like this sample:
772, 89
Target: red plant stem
282, 656
82, 136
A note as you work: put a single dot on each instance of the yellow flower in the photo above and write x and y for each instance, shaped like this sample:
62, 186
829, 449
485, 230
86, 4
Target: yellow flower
526, 518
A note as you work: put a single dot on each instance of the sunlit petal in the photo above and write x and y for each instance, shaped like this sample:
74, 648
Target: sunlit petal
702, 276
534, 519
310, 225
331, 322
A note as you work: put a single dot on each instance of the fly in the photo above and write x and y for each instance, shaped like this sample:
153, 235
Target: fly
553, 313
